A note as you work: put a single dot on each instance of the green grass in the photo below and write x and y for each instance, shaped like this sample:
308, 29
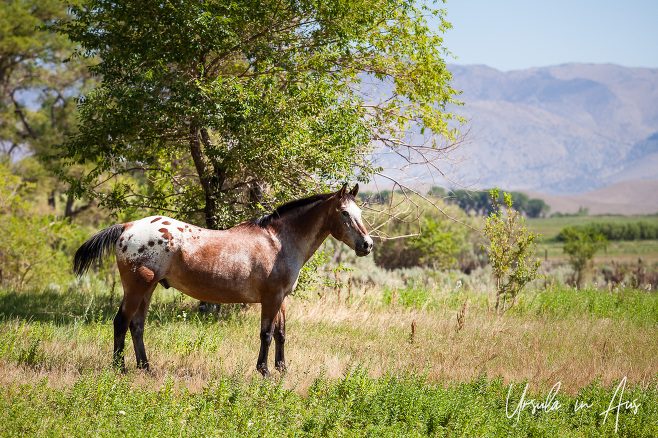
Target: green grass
618, 251
55, 349
108, 405
550, 227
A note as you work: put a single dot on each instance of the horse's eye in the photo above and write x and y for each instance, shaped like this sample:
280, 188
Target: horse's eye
345, 213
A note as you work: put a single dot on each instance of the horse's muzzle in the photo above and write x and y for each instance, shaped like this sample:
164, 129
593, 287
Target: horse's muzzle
364, 248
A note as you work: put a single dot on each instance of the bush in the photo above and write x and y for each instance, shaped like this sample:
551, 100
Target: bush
581, 247
433, 240
511, 249
33, 248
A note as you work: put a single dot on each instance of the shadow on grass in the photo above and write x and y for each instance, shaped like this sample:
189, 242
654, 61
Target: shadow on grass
56, 307
63, 308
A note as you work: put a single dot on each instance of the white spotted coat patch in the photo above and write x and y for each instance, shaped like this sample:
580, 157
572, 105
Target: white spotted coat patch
152, 241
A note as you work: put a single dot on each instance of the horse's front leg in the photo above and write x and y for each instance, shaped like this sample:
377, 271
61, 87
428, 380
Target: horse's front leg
269, 312
280, 339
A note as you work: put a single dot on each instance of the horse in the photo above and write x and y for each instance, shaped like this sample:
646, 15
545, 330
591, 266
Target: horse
257, 261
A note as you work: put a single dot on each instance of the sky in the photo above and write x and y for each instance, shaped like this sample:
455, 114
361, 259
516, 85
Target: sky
519, 34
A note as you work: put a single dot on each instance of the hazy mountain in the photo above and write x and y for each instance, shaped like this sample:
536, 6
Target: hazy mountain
565, 129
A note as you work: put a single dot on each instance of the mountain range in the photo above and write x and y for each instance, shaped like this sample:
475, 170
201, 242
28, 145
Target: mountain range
564, 130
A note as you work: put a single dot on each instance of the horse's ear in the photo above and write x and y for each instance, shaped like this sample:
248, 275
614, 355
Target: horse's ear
355, 190
342, 191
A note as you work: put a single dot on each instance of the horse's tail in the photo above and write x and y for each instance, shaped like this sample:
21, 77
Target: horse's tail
96, 248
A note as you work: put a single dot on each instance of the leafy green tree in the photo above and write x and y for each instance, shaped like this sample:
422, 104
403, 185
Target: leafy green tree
432, 239
33, 248
37, 90
211, 110
437, 192
476, 202
581, 245
520, 202
511, 251
537, 208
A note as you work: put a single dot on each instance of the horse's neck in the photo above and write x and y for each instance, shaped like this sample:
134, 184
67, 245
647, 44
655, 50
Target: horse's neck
306, 231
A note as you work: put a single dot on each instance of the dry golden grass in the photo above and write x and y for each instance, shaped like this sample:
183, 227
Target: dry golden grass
327, 335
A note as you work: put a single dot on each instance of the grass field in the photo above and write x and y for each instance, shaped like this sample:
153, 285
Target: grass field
627, 252
355, 369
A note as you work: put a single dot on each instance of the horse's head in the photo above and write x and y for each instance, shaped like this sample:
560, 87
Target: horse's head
347, 225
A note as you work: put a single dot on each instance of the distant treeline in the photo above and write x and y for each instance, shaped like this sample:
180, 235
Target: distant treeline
475, 202
619, 230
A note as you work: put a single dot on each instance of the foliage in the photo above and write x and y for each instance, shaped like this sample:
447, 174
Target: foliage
34, 249
581, 247
479, 203
222, 110
511, 249
37, 90
617, 230
433, 240
355, 405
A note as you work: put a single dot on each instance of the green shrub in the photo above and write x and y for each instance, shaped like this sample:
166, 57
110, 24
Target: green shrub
581, 247
432, 239
511, 249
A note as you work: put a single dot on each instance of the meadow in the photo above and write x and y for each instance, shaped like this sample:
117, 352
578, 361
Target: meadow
627, 252
355, 366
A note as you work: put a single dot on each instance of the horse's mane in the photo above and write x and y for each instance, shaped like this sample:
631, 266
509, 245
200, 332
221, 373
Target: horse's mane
290, 206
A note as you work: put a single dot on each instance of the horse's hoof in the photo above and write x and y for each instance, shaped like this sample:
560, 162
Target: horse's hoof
144, 367
281, 367
264, 371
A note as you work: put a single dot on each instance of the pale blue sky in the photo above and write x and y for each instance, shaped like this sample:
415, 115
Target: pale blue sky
519, 34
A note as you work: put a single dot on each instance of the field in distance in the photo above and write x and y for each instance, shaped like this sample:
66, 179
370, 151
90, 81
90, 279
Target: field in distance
618, 251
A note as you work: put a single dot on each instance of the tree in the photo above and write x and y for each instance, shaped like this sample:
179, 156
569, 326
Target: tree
33, 248
219, 109
37, 90
511, 250
437, 192
537, 208
477, 202
520, 202
440, 244
581, 245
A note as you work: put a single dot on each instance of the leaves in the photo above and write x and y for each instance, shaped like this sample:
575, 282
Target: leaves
581, 245
511, 249
256, 102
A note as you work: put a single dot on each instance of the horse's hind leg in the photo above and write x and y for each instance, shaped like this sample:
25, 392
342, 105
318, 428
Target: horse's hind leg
120, 328
137, 287
137, 331
280, 339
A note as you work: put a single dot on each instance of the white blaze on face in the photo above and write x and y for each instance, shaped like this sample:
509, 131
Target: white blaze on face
354, 223
354, 211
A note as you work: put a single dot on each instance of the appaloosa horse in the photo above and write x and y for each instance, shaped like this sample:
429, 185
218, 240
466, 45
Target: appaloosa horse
257, 261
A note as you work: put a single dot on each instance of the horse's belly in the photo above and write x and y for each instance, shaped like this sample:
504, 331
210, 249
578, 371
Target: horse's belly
218, 276
206, 288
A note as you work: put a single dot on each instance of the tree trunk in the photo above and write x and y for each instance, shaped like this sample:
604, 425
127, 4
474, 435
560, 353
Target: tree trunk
211, 178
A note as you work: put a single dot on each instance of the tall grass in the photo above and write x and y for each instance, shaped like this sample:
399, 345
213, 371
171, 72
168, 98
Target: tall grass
354, 368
